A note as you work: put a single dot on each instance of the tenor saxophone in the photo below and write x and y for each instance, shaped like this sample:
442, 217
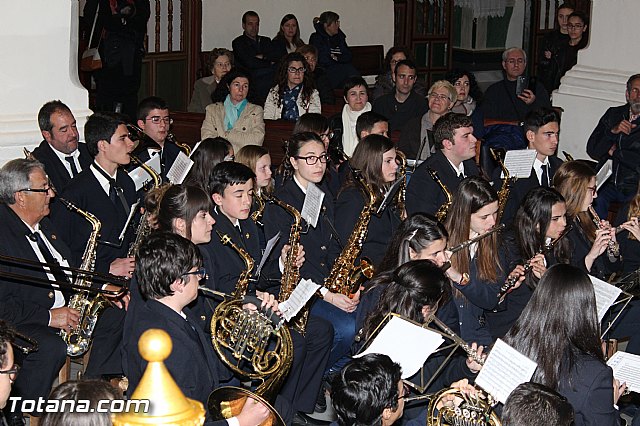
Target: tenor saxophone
345, 277
183, 146
78, 339
441, 214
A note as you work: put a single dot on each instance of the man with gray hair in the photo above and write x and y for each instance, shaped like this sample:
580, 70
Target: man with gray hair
37, 311
502, 102
617, 137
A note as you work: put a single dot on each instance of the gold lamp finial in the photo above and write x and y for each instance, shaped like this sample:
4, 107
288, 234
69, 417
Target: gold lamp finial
167, 403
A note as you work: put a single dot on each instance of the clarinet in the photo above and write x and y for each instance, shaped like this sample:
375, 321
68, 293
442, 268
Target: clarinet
613, 248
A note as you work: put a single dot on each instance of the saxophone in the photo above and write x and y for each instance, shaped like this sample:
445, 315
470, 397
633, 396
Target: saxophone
256, 216
291, 273
79, 339
345, 277
402, 191
503, 194
183, 146
144, 227
441, 214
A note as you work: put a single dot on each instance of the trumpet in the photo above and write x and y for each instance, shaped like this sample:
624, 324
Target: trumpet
511, 281
467, 243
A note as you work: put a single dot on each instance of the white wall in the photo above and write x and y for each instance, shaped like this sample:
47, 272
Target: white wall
365, 22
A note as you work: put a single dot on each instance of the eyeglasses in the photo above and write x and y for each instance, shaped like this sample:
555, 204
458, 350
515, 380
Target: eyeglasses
328, 135
48, 187
593, 189
575, 26
201, 273
439, 96
518, 61
156, 119
294, 70
12, 372
313, 159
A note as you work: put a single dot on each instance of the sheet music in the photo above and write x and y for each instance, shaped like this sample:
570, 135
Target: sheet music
604, 173
267, 251
519, 162
388, 196
606, 294
406, 343
140, 177
132, 211
504, 369
180, 168
312, 204
299, 297
626, 368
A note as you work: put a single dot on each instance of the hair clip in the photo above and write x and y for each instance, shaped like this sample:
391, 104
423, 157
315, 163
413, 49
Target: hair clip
413, 234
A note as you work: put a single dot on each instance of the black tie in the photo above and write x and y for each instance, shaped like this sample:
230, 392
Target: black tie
113, 192
545, 175
54, 266
72, 163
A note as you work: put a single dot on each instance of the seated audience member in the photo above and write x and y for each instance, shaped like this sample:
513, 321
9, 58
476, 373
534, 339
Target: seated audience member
617, 130
209, 154
8, 370
344, 124
288, 38
562, 312
384, 82
319, 75
453, 161
60, 152
155, 120
333, 53
529, 402
416, 138
294, 94
220, 62
542, 131
403, 104
468, 92
501, 101
92, 391
232, 116
256, 54
548, 63
169, 268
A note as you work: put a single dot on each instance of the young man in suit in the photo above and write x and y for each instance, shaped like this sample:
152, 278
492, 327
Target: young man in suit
155, 120
169, 268
60, 152
542, 131
454, 161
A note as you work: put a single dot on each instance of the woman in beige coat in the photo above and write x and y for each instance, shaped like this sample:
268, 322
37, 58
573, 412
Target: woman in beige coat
235, 119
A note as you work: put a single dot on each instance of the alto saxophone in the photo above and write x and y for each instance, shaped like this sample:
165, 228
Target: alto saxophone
613, 248
402, 191
78, 340
183, 146
441, 214
345, 277
144, 227
503, 194
256, 216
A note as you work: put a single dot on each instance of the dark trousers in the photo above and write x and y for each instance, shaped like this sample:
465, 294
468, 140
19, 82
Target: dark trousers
106, 357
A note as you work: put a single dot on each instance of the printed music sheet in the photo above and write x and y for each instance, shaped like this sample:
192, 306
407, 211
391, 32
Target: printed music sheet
604, 173
519, 162
606, 295
626, 368
504, 369
267, 251
299, 297
406, 343
312, 204
180, 168
140, 177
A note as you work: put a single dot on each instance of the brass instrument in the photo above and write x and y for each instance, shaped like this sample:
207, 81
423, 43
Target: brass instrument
29, 154
441, 214
401, 196
467, 243
345, 277
31, 345
568, 156
511, 281
613, 248
183, 146
503, 194
144, 227
145, 141
474, 410
256, 216
79, 339
252, 345
291, 272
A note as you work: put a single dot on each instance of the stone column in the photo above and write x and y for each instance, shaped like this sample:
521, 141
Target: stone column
38, 47
598, 80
